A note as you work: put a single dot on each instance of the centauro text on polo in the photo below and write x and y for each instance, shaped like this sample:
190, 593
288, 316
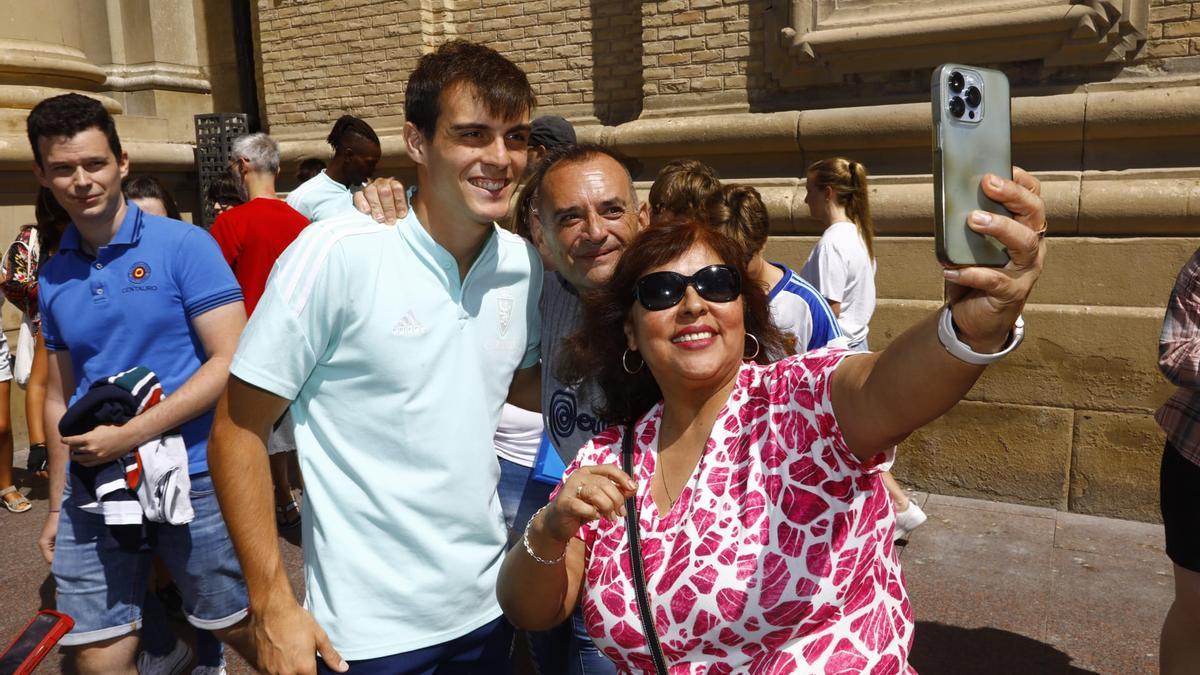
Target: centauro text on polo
397, 373
133, 305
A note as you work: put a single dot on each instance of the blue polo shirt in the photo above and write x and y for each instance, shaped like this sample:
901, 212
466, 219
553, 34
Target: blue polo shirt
133, 304
398, 370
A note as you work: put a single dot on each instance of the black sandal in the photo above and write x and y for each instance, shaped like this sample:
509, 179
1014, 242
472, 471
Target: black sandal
38, 460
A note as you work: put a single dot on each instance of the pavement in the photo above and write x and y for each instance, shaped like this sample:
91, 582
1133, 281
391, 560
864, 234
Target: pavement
996, 588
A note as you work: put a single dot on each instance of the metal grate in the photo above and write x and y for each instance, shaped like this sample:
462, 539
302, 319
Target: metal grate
215, 134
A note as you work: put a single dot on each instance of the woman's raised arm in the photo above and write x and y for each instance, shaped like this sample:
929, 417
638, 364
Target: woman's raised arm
879, 399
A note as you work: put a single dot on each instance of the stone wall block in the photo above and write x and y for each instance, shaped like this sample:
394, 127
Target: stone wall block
1096, 358
682, 136
1011, 453
1115, 465
1167, 205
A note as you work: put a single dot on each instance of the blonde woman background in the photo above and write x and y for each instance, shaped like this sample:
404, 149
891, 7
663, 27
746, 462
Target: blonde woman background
842, 267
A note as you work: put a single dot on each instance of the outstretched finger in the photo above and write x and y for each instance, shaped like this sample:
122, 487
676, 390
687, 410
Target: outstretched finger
607, 499
1026, 180
578, 508
329, 655
620, 479
382, 200
398, 208
1023, 243
362, 204
993, 282
1025, 205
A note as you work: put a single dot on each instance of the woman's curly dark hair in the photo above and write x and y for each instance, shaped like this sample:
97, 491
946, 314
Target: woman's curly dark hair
594, 352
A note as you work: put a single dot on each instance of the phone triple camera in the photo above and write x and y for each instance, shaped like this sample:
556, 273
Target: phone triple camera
965, 98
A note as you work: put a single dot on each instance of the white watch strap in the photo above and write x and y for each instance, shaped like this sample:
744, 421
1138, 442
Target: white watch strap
963, 352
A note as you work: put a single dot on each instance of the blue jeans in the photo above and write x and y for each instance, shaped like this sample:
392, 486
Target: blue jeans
101, 575
520, 496
483, 650
585, 658
566, 648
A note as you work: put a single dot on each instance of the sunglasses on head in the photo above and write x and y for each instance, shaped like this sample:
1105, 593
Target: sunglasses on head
663, 290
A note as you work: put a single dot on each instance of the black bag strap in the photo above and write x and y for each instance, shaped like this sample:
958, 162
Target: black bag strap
635, 559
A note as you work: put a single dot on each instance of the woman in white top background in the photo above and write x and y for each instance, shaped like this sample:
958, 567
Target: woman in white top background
842, 267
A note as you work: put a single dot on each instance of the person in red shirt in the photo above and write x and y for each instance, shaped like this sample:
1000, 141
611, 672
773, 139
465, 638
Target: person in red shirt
252, 236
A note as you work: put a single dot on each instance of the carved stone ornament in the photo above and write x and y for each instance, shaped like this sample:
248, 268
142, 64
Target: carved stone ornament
812, 41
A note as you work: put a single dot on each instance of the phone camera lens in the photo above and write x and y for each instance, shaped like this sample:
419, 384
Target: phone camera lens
957, 82
974, 97
957, 106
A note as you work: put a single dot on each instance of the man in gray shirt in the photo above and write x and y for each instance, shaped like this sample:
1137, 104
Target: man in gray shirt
588, 211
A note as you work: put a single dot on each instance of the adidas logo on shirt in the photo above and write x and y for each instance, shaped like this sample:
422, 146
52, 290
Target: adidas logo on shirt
408, 326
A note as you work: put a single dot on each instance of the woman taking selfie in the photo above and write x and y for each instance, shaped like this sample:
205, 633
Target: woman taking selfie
765, 533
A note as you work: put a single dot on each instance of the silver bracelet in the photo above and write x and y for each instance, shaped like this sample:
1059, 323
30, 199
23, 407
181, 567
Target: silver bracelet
529, 549
963, 352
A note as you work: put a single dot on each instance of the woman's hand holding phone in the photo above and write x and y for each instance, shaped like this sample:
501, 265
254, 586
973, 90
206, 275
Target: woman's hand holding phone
986, 301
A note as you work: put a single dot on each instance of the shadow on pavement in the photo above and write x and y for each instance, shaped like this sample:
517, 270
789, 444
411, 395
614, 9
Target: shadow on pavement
939, 648
39, 488
46, 593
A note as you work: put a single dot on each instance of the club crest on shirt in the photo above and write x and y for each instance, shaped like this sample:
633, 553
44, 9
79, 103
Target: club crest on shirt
139, 272
504, 310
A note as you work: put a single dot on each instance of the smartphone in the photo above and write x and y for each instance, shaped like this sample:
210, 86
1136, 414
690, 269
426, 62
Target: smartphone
40, 635
971, 137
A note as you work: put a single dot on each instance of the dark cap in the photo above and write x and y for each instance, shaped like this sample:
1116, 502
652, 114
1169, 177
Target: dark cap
551, 131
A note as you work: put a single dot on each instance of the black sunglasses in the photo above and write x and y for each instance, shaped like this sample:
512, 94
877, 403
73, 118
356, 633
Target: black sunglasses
663, 290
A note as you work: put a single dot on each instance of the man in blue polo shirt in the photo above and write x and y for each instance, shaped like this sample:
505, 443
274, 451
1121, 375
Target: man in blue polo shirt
396, 348
129, 289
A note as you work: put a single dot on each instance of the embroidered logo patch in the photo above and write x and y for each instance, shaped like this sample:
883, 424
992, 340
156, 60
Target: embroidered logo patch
139, 273
504, 308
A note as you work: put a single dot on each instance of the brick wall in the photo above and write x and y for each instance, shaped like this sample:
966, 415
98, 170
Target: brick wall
1174, 29
603, 58
322, 58
695, 46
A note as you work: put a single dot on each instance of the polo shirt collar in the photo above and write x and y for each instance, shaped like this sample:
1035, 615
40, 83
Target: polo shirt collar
128, 234
410, 228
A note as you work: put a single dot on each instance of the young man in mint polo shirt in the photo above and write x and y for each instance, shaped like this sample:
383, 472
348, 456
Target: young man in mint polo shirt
396, 348
129, 289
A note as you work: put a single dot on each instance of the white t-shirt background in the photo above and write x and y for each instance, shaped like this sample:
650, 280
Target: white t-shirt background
840, 267
519, 435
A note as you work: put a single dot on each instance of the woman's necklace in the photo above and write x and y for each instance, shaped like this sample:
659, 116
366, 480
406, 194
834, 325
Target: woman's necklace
662, 472
670, 499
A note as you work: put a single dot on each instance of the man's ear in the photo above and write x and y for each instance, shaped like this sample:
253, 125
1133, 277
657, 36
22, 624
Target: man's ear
643, 217
415, 143
123, 163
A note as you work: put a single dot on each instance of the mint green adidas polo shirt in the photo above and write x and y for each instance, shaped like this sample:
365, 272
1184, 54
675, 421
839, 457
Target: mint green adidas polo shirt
398, 374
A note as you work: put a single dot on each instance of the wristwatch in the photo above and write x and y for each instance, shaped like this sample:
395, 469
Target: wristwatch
963, 352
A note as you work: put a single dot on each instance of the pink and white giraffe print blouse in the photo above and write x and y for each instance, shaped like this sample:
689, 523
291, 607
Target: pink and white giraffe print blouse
776, 558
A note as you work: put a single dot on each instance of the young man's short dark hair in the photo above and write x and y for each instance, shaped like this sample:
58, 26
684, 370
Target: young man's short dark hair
66, 116
501, 86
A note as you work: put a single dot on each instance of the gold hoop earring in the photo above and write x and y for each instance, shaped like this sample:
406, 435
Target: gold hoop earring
756, 346
625, 364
